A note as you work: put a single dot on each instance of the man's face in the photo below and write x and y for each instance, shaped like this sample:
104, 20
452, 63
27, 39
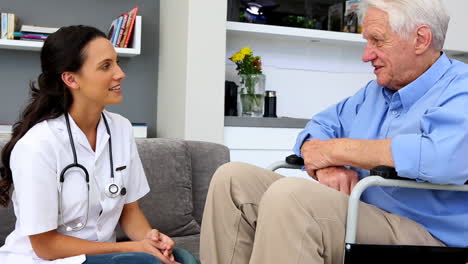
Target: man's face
390, 55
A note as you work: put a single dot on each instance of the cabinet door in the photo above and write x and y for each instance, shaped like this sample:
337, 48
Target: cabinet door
457, 37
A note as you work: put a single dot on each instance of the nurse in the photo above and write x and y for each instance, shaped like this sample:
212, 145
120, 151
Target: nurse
71, 218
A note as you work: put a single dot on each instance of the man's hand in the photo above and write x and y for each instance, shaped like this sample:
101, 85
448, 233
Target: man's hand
163, 243
358, 153
317, 155
338, 178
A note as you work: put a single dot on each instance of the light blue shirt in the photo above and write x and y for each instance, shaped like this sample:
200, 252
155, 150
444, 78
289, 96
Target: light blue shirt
427, 121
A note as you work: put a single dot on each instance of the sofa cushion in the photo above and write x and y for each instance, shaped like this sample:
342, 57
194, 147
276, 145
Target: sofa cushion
206, 158
168, 206
190, 243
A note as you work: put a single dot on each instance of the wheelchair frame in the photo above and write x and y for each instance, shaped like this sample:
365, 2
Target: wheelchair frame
383, 254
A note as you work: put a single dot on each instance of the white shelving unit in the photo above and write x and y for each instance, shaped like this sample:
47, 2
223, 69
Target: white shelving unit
275, 32
136, 45
37, 45
452, 48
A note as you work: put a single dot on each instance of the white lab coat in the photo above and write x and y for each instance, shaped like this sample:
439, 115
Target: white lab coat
36, 162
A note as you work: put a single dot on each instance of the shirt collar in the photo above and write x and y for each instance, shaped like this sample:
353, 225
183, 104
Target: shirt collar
387, 94
61, 124
79, 136
416, 89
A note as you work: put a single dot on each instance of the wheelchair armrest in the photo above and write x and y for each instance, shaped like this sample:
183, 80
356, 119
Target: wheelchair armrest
294, 160
386, 172
390, 173
291, 162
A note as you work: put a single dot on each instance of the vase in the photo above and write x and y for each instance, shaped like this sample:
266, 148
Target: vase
252, 92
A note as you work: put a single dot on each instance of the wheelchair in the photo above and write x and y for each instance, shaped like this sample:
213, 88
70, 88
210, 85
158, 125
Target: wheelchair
385, 254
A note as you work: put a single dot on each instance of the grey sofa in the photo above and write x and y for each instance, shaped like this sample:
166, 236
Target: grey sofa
179, 173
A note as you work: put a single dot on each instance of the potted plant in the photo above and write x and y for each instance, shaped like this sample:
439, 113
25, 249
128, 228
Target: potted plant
252, 82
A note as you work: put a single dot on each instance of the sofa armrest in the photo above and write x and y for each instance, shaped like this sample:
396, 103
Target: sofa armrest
206, 158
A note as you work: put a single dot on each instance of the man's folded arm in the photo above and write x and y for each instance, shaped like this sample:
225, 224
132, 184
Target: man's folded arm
438, 154
333, 122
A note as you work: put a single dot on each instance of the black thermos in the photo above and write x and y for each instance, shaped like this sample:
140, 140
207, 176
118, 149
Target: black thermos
270, 104
230, 98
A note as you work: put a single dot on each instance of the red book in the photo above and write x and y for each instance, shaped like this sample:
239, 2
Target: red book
125, 29
131, 24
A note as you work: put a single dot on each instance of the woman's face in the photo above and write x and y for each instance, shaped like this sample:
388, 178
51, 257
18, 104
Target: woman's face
100, 76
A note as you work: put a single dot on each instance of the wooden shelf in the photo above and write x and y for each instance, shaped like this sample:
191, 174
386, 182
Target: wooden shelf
37, 45
279, 32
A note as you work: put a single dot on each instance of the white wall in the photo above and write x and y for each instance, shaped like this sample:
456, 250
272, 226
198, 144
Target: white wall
191, 70
457, 37
172, 79
205, 93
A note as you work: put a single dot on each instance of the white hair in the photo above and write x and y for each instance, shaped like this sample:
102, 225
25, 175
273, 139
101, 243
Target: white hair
406, 15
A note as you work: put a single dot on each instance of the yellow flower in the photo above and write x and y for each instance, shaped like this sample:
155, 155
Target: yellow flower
237, 57
246, 51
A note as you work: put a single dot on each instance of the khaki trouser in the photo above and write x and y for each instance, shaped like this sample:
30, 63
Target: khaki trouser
256, 216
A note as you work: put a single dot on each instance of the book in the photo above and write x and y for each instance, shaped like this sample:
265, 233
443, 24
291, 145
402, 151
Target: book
335, 17
354, 15
117, 31
4, 26
13, 25
125, 33
131, 24
6, 130
26, 35
139, 130
38, 29
114, 30
122, 28
31, 39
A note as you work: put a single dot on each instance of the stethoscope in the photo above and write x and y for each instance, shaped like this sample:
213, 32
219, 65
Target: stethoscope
112, 190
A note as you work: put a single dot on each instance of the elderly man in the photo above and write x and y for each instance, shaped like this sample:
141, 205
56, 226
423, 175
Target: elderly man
413, 117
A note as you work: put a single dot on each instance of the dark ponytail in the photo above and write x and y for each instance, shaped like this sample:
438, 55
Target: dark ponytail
63, 51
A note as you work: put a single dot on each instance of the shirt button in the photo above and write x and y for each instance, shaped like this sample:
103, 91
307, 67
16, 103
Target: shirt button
394, 112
